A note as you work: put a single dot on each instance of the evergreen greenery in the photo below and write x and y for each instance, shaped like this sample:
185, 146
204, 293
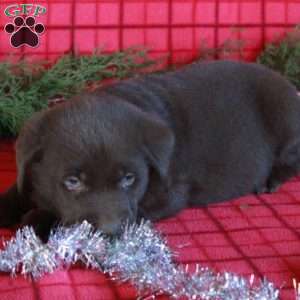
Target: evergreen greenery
28, 87
284, 56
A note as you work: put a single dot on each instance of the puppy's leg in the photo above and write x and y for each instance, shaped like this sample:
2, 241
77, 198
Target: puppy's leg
279, 175
42, 222
164, 203
286, 167
11, 207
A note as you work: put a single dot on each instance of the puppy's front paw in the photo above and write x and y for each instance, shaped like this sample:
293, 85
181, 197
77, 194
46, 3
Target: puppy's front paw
6, 219
269, 188
10, 208
273, 186
261, 190
42, 222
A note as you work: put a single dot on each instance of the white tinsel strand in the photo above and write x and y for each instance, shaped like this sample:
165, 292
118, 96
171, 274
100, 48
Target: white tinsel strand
206, 284
296, 288
140, 256
80, 242
27, 254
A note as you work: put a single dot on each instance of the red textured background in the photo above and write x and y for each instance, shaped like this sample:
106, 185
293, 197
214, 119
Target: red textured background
251, 235
175, 27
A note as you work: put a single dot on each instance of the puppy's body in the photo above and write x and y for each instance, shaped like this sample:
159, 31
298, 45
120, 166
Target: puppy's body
206, 133
233, 123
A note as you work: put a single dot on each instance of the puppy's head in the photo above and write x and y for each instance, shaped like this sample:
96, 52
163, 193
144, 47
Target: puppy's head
90, 159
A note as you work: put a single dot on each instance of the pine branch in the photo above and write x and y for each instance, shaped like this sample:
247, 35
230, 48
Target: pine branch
284, 56
26, 87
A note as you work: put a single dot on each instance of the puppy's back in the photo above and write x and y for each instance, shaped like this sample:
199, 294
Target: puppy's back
230, 120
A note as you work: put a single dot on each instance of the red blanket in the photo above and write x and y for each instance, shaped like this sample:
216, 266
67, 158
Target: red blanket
252, 235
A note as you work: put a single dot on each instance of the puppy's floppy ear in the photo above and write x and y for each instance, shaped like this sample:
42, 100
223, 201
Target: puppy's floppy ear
14, 203
10, 207
28, 149
158, 143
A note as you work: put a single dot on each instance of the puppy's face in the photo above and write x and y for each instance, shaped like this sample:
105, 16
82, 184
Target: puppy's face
92, 161
101, 184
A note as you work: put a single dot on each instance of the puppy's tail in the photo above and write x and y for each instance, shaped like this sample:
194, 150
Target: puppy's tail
11, 207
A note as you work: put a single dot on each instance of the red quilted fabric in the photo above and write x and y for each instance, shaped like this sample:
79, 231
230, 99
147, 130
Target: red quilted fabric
252, 235
177, 28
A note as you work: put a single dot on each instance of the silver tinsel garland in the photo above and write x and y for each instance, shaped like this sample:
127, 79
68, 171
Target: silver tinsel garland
140, 256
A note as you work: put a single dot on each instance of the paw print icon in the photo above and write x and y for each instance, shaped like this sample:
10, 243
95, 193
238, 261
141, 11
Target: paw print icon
24, 31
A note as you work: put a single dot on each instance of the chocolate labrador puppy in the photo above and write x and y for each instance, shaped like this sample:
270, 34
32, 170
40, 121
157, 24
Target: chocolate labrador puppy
151, 146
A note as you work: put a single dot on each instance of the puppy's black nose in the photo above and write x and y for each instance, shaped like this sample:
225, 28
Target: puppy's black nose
115, 229
112, 229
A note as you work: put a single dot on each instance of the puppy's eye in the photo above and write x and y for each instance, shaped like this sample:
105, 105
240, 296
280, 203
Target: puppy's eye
73, 183
127, 180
